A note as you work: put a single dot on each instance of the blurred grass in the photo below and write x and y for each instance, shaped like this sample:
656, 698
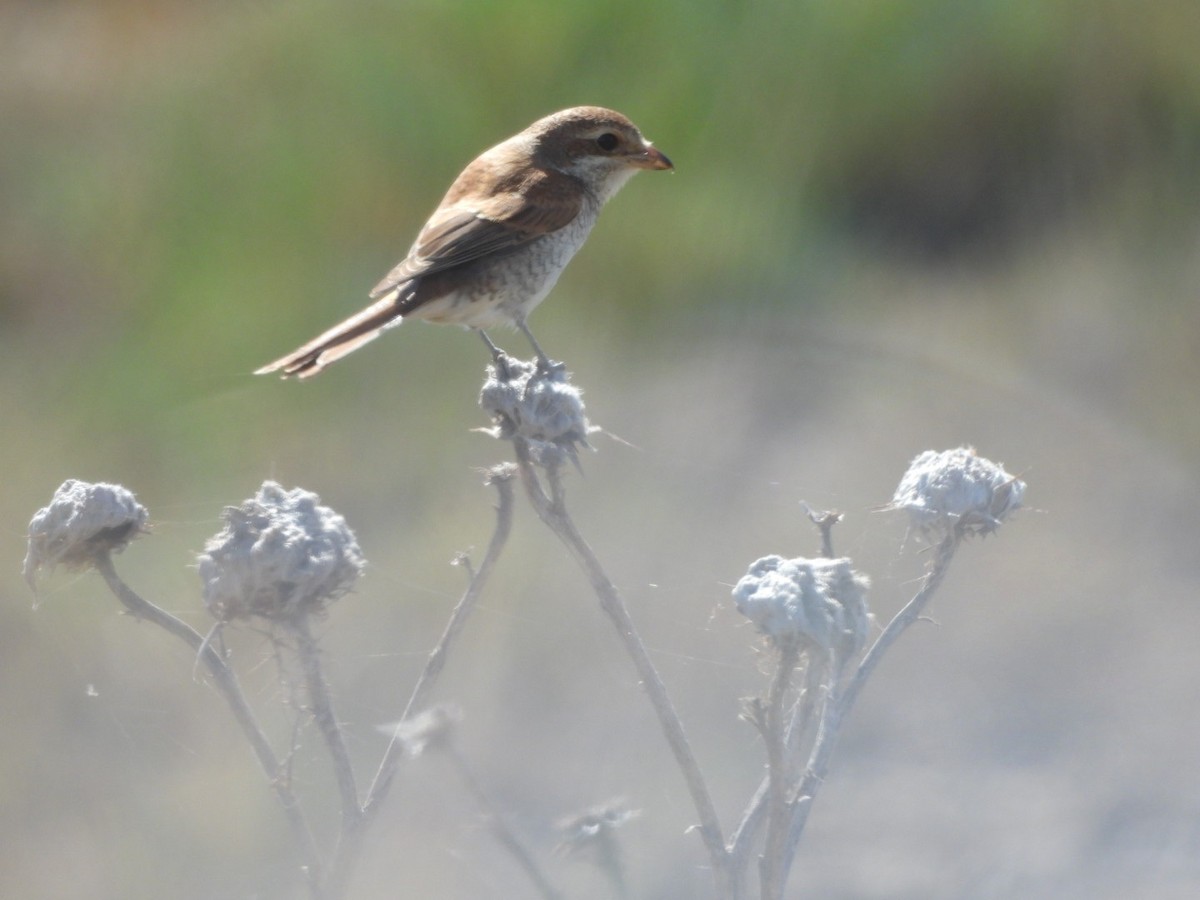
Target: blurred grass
893, 225
248, 171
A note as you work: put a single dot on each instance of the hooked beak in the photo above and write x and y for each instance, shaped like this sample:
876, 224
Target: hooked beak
651, 158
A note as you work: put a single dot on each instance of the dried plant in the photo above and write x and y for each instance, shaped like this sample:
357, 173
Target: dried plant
282, 558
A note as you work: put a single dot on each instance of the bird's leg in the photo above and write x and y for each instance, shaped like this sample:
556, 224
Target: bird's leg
545, 364
496, 351
499, 357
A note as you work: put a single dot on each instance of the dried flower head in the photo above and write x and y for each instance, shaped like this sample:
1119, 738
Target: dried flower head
542, 407
595, 828
280, 555
583, 826
804, 602
82, 522
430, 729
956, 491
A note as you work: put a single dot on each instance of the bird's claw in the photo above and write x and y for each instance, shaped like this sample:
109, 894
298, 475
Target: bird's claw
501, 361
550, 367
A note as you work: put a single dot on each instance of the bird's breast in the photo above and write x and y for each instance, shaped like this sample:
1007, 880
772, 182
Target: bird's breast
504, 288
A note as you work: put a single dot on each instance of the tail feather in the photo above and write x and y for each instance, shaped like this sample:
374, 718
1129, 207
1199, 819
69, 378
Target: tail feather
341, 339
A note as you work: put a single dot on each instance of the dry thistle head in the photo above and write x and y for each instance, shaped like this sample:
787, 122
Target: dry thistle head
592, 833
280, 555
803, 603
83, 522
956, 491
430, 729
541, 407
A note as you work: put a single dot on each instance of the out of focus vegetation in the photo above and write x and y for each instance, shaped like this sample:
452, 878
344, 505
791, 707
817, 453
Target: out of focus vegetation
894, 226
189, 188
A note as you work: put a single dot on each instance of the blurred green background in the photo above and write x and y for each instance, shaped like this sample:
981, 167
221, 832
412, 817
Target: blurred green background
894, 226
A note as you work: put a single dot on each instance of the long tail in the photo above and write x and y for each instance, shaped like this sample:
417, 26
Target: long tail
359, 329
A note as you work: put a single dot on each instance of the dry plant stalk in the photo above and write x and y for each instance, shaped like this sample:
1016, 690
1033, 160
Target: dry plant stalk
283, 558
813, 614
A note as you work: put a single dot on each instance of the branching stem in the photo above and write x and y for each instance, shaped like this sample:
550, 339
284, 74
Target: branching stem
229, 687
350, 845
779, 773
840, 702
552, 511
501, 829
321, 706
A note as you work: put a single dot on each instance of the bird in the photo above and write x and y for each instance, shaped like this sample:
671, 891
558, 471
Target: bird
505, 230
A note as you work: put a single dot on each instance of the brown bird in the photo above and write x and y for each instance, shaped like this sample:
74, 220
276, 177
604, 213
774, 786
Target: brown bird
501, 236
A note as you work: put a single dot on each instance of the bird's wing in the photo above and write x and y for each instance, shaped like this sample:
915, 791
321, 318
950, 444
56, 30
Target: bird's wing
461, 232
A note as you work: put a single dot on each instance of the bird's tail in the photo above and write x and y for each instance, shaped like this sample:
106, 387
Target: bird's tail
346, 337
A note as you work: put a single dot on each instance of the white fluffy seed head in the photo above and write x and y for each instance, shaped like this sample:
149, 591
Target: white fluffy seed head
430, 729
542, 407
594, 831
280, 555
83, 521
806, 602
956, 491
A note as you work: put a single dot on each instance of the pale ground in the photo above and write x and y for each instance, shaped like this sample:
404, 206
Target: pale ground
1037, 740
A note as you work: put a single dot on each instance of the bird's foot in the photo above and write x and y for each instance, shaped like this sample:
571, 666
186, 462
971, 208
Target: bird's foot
500, 359
550, 367
502, 362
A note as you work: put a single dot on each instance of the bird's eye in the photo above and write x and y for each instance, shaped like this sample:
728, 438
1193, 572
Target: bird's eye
608, 142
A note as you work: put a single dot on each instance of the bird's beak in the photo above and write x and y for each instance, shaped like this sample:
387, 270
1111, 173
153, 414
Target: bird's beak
651, 158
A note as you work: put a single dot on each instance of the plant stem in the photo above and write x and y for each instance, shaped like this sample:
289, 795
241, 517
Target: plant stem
838, 705
350, 844
779, 776
553, 513
321, 705
230, 688
500, 828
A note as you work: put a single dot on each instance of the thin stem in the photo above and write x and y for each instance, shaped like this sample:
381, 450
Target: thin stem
321, 705
804, 717
778, 774
834, 708
350, 844
830, 717
744, 836
227, 684
818, 677
805, 714
500, 827
502, 481
842, 699
554, 514
909, 614
824, 520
